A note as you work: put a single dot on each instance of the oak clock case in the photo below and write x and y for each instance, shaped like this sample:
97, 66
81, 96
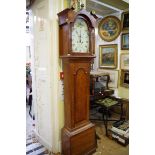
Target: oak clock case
76, 48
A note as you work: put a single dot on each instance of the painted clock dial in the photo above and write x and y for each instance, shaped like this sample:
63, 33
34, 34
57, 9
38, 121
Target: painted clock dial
80, 36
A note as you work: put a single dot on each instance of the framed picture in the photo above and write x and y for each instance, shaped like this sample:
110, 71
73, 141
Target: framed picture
125, 41
124, 64
125, 20
114, 74
109, 28
125, 78
108, 56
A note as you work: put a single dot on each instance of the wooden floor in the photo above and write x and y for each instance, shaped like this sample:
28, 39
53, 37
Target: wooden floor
105, 146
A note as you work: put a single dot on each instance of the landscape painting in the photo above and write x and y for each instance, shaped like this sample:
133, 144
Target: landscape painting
124, 61
125, 41
108, 56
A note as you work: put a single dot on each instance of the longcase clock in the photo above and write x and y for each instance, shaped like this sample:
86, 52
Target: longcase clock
76, 45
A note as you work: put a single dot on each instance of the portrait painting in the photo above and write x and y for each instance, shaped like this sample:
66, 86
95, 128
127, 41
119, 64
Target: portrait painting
125, 78
125, 20
108, 56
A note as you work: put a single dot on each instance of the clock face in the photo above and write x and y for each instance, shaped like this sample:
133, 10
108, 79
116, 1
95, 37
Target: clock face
80, 36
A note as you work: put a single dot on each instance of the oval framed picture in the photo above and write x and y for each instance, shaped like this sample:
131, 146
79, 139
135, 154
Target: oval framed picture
109, 28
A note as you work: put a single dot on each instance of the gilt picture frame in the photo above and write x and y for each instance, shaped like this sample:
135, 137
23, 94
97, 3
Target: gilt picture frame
125, 20
108, 56
124, 78
125, 41
109, 28
124, 61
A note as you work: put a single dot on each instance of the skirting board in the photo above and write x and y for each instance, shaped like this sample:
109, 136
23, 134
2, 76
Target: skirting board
45, 143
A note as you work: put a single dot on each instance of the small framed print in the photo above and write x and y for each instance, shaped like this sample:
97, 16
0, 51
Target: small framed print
114, 74
125, 78
125, 20
108, 56
125, 41
124, 61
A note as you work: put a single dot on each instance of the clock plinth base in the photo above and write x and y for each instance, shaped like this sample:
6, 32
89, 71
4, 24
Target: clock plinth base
81, 141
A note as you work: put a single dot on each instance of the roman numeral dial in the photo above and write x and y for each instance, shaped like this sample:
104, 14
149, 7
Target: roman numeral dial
80, 36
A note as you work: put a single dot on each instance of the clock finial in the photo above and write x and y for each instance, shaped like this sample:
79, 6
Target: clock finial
82, 6
93, 13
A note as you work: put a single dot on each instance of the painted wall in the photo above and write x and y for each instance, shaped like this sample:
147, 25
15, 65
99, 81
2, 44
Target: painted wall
48, 106
28, 38
41, 81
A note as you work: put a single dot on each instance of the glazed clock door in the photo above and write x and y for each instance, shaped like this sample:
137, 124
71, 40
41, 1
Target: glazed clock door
80, 36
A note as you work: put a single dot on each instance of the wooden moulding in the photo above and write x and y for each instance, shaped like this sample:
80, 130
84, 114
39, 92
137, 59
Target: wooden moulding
79, 142
66, 21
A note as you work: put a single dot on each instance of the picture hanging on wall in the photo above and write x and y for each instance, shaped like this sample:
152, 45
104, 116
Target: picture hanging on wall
125, 41
108, 56
109, 28
125, 20
114, 74
125, 78
124, 61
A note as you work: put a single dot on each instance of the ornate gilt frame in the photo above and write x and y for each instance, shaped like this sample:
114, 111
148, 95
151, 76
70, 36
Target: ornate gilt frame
106, 34
124, 56
123, 81
106, 63
122, 20
122, 41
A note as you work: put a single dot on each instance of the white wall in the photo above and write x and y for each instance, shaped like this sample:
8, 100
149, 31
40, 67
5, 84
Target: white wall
41, 86
46, 72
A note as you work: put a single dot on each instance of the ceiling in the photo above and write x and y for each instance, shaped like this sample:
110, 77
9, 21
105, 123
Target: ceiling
105, 7
101, 7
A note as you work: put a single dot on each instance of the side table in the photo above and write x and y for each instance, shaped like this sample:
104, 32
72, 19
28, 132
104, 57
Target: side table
107, 104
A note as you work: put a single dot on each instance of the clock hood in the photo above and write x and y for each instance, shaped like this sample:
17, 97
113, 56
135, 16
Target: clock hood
69, 15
